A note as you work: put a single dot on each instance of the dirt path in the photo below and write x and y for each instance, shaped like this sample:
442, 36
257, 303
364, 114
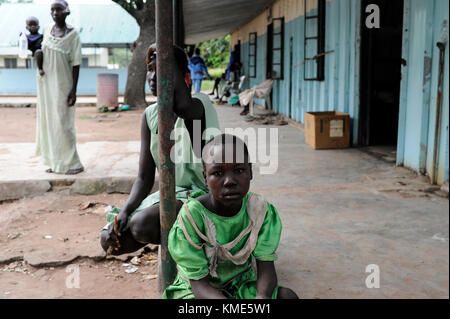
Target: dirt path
46, 240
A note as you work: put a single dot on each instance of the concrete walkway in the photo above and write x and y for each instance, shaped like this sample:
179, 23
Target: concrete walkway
109, 166
342, 210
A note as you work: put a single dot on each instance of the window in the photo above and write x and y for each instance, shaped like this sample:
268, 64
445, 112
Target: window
28, 63
84, 62
252, 49
314, 45
275, 49
10, 63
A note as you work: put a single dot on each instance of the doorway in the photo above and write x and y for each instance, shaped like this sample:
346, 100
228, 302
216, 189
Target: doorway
291, 68
381, 59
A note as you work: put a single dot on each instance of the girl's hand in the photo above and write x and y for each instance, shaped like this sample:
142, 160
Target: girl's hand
122, 221
72, 98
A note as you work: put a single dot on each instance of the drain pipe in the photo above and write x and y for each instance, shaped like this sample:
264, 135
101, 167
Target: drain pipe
437, 125
165, 68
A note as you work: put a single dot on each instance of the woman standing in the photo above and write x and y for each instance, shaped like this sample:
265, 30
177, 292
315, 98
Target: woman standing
55, 131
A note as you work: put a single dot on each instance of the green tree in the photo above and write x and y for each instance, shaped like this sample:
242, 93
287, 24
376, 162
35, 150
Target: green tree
144, 13
216, 52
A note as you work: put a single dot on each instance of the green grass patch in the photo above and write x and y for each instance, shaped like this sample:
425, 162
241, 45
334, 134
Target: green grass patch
209, 84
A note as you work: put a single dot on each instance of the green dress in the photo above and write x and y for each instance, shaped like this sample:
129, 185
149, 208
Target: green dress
188, 167
234, 281
55, 130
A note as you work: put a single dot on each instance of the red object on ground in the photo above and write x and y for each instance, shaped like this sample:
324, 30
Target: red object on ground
107, 90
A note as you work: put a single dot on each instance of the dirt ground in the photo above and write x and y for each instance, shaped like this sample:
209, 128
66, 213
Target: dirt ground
341, 210
45, 238
90, 125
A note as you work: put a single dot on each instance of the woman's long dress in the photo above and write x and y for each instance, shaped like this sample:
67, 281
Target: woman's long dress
55, 130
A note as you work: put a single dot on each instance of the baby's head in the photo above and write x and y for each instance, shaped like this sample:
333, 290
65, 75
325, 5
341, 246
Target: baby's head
227, 169
32, 25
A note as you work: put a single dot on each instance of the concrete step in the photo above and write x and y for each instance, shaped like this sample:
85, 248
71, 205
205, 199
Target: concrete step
109, 167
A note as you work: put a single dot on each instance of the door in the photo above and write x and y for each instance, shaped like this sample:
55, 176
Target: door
291, 78
381, 59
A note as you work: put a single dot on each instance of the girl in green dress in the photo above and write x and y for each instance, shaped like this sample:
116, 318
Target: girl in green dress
219, 234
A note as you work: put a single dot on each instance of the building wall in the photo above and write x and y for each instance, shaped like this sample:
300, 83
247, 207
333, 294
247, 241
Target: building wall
423, 27
339, 91
97, 57
99, 60
87, 83
21, 63
426, 23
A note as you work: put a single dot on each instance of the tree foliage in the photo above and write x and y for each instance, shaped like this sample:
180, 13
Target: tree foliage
216, 52
137, 8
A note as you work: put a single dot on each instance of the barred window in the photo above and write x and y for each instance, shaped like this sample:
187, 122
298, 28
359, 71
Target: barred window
275, 49
314, 44
252, 51
10, 63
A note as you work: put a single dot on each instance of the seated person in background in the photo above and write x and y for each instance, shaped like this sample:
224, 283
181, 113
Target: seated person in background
262, 90
138, 222
226, 87
35, 42
218, 235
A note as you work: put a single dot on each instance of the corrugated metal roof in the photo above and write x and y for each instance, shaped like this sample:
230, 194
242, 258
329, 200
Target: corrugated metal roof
209, 19
99, 24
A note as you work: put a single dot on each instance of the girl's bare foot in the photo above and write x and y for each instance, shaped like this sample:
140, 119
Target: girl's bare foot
74, 171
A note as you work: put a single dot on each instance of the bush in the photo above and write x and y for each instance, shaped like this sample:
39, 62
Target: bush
216, 52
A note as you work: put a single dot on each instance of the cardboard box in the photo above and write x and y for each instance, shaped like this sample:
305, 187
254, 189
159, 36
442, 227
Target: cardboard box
327, 130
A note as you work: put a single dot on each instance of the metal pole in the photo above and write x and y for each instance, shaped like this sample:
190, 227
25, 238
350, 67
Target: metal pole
165, 67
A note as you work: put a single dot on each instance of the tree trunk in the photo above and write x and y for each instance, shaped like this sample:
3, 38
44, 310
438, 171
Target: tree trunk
144, 13
137, 70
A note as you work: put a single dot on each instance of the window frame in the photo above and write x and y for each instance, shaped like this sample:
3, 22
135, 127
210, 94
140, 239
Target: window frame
252, 53
84, 62
271, 34
319, 59
10, 63
28, 63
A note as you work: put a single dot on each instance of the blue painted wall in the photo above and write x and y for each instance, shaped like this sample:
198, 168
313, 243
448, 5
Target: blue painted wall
340, 89
23, 81
426, 23
423, 27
